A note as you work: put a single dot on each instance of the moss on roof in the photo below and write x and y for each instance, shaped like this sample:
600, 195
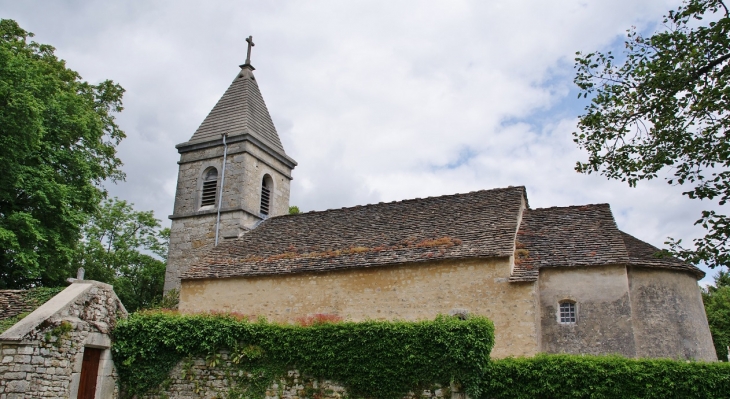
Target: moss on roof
16, 304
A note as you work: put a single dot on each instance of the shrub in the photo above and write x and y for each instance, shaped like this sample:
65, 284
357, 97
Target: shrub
576, 376
374, 359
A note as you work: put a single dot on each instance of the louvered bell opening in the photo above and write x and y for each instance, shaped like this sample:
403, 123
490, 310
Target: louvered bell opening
208, 193
265, 198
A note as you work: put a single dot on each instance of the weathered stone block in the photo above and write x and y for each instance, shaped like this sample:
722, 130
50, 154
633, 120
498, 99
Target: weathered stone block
21, 358
25, 367
17, 386
25, 350
15, 376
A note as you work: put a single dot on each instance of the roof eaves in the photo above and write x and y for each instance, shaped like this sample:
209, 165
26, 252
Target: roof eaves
246, 135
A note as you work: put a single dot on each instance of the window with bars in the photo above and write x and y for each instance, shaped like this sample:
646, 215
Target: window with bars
567, 312
210, 183
266, 186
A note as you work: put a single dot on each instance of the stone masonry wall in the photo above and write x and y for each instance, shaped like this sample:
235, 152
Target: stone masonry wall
634, 312
47, 363
190, 238
669, 302
257, 163
245, 167
193, 378
603, 308
407, 292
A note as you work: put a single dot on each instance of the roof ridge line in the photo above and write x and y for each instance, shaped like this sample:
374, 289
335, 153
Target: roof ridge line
409, 200
572, 206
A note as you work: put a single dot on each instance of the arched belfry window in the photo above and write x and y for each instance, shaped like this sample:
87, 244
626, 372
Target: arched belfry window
210, 182
267, 185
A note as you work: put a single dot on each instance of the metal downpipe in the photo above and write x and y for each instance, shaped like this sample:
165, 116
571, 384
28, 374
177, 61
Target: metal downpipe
220, 195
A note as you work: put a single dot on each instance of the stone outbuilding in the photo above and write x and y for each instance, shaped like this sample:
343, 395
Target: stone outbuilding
62, 348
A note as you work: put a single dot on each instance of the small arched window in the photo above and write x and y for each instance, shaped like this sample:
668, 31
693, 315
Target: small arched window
266, 186
566, 313
210, 183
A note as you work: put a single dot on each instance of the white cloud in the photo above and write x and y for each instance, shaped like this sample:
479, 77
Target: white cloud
376, 100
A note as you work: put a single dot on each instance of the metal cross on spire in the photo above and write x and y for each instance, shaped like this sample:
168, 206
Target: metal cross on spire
248, 54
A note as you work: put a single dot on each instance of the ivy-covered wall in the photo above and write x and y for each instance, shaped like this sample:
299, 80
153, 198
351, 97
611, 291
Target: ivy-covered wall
172, 355
166, 355
216, 377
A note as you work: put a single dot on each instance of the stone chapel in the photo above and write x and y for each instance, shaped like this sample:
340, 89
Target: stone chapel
561, 279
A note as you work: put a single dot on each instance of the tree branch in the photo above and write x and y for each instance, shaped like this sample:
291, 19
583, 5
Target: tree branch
708, 67
722, 3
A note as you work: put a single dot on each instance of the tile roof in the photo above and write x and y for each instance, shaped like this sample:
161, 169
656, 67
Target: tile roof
241, 110
568, 236
477, 224
645, 254
580, 236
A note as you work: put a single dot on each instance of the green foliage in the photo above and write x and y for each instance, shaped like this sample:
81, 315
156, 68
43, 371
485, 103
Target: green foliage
666, 106
10, 321
374, 359
125, 248
170, 300
575, 376
294, 210
717, 306
58, 333
39, 295
58, 143
387, 359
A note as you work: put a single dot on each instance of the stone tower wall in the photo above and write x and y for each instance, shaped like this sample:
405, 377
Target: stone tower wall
193, 227
257, 163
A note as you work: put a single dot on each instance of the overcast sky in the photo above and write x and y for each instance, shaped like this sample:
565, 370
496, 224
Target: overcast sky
376, 100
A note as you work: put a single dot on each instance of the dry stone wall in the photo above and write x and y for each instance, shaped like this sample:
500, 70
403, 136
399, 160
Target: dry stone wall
46, 362
194, 378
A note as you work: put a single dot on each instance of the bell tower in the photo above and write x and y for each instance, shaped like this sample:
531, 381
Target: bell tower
233, 173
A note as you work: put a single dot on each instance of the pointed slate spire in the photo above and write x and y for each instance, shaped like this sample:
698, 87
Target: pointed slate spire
240, 111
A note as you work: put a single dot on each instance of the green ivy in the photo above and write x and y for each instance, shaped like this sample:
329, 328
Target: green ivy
373, 359
576, 376
60, 332
11, 321
39, 295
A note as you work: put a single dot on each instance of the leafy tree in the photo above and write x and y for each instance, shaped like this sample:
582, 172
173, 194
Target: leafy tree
125, 248
294, 210
717, 306
58, 143
664, 106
